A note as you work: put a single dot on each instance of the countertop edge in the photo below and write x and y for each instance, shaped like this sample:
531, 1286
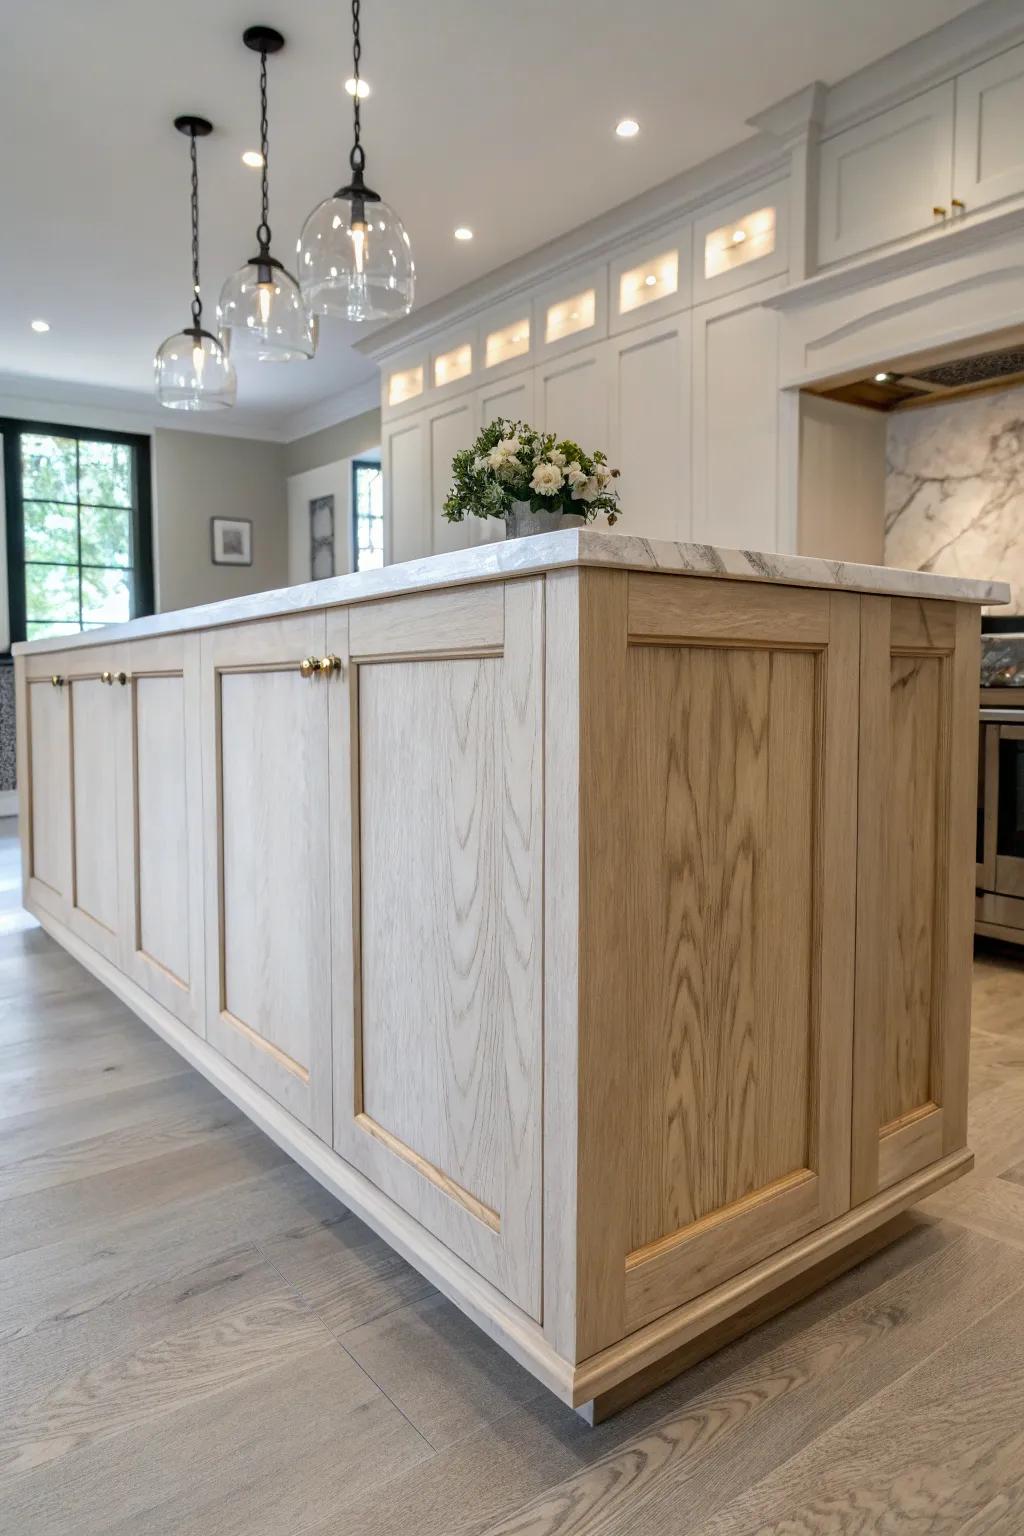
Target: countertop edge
533, 556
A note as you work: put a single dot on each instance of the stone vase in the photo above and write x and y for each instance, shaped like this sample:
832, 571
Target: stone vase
521, 521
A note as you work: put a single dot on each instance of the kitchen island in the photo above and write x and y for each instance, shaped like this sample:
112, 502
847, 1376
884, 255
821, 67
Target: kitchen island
593, 916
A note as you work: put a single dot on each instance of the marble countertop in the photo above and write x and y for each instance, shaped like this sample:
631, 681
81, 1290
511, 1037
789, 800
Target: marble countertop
543, 552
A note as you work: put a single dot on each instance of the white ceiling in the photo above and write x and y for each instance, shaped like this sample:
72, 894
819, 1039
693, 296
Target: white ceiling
494, 114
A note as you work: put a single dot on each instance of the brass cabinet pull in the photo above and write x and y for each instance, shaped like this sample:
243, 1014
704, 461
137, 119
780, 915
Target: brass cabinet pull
958, 202
940, 213
57, 682
309, 665
110, 678
329, 664
120, 677
107, 677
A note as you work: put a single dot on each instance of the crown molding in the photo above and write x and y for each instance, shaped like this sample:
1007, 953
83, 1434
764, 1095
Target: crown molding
124, 410
338, 408
794, 116
956, 46
754, 161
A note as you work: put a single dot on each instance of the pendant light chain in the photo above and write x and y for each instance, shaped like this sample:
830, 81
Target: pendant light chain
197, 303
263, 230
357, 156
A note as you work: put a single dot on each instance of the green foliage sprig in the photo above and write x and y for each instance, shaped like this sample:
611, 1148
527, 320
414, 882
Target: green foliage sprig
512, 462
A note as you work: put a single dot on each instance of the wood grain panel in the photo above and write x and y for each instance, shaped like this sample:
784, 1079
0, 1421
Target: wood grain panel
663, 607
265, 751
48, 739
721, 830
407, 626
162, 817
95, 711
439, 1096
912, 799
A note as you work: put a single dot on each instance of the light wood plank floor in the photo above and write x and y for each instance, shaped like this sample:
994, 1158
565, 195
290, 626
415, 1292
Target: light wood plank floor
194, 1338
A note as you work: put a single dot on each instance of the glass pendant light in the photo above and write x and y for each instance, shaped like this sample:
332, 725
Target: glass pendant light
193, 373
261, 313
354, 256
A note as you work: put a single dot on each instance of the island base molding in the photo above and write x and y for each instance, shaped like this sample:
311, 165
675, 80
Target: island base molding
612, 1378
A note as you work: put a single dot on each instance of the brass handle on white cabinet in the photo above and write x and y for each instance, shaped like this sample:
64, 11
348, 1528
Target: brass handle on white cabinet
329, 664
110, 678
120, 677
309, 666
56, 682
940, 213
107, 677
959, 204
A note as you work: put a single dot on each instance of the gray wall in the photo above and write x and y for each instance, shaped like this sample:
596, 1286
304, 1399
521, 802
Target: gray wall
347, 440
197, 476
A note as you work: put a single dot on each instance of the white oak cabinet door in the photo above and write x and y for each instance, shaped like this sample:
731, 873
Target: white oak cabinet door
989, 144
266, 860
97, 719
650, 440
161, 831
44, 769
881, 180
436, 801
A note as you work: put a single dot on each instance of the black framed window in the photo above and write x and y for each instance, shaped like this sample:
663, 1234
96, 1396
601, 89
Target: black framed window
79, 535
367, 515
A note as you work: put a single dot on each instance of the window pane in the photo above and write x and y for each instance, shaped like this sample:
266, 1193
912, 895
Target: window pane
106, 536
40, 630
105, 474
106, 597
48, 467
51, 592
369, 508
51, 532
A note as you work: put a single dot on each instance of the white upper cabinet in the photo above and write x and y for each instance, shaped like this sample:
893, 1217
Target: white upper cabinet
883, 180
650, 427
651, 280
571, 397
507, 340
571, 312
989, 163
453, 364
404, 384
741, 242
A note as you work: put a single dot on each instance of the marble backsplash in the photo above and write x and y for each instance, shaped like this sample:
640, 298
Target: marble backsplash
955, 490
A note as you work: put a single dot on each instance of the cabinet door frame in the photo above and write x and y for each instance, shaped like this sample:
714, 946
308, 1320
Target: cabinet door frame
418, 533
458, 403
40, 672
302, 1088
620, 1289
88, 665
935, 105
950, 634
971, 86
168, 656
501, 621
678, 327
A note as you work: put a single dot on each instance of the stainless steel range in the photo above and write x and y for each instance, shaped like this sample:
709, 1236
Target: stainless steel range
999, 898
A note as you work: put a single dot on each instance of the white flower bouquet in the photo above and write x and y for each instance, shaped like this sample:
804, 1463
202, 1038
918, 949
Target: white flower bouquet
512, 466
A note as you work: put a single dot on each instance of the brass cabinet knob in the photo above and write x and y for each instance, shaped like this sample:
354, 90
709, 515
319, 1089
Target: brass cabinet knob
308, 666
329, 664
120, 677
940, 213
959, 203
107, 677
57, 682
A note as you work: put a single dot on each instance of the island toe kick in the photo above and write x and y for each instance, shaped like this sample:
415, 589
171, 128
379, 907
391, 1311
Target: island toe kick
599, 931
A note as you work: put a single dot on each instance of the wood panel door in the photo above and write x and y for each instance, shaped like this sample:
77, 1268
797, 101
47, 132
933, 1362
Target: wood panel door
436, 791
44, 776
161, 826
268, 975
716, 922
97, 716
918, 795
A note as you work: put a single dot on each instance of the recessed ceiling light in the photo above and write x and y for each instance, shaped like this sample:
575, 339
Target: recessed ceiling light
353, 85
628, 128
882, 378
40, 326
463, 232
252, 157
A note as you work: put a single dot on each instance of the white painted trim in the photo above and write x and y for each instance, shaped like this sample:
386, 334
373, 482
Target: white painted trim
328, 413
121, 410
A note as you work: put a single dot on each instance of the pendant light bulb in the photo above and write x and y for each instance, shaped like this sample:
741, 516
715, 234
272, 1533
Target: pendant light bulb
261, 313
193, 372
355, 260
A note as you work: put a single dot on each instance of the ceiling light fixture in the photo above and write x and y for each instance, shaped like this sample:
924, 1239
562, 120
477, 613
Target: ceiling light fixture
463, 232
41, 326
252, 157
358, 88
628, 128
193, 372
355, 260
882, 378
738, 236
261, 312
